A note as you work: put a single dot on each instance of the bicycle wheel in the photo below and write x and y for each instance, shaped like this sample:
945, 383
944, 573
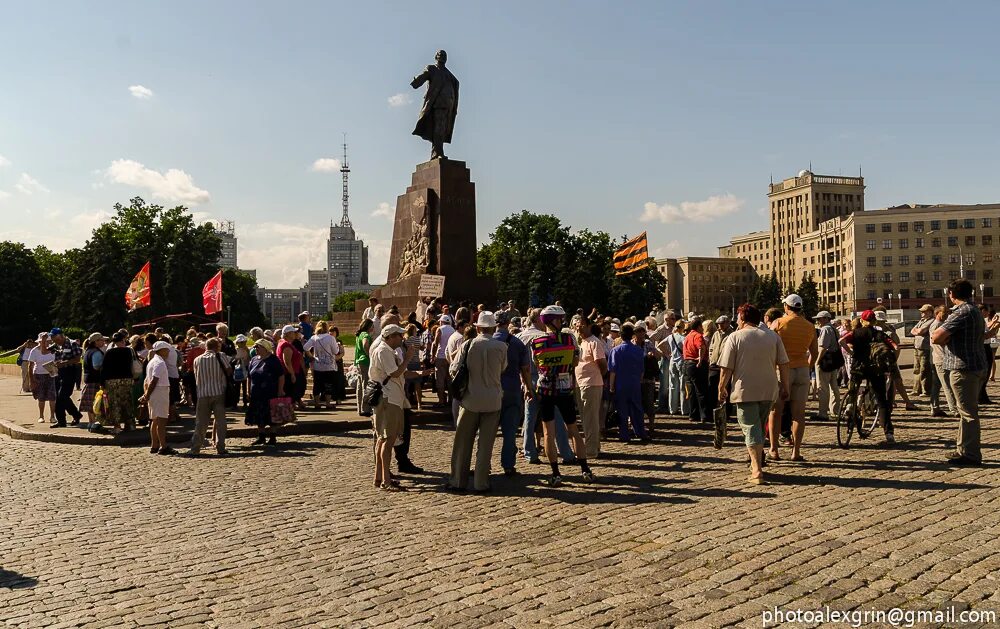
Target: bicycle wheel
846, 421
869, 417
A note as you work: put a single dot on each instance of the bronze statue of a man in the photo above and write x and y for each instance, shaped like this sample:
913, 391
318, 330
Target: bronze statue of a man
437, 116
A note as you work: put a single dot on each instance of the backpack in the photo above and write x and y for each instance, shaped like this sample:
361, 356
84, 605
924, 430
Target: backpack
882, 355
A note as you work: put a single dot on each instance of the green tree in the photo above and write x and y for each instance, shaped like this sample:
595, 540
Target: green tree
765, 292
239, 295
809, 293
25, 309
345, 301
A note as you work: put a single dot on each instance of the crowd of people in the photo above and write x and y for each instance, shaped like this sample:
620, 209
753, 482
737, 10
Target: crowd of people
552, 384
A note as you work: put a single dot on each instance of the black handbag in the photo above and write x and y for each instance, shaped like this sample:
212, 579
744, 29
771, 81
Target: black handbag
460, 383
232, 395
373, 392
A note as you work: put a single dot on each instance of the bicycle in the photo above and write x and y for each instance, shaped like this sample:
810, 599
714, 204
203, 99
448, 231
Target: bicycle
860, 411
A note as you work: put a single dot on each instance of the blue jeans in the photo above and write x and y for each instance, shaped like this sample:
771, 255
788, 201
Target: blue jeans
628, 401
531, 420
663, 398
679, 404
510, 418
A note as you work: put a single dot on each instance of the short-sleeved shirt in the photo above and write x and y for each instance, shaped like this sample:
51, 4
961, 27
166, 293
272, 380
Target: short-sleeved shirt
325, 348
296, 355
553, 355
67, 351
921, 334
588, 374
694, 343
937, 351
752, 354
797, 334
627, 362
157, 368
360, 355
171, 361
828, 338
964, 351
518, 357
384, 361
39, 360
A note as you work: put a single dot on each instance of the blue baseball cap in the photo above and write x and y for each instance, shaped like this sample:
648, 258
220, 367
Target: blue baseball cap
55, 331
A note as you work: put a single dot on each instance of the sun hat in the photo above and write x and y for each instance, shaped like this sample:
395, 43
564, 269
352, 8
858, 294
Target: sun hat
615, 327
289, 328
486, 320
553, 311
927, 308
241, 338
391, 329
157, 346
96, 336
266, 344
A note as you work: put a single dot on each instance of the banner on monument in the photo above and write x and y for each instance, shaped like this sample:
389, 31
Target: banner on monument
138, 293
632, 256
431, 286
211, 294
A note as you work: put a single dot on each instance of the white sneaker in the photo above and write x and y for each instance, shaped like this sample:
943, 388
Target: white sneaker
41, 420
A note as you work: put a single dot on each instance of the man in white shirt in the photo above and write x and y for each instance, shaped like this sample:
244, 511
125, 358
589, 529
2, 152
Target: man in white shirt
479, 412
156, 396
388, 369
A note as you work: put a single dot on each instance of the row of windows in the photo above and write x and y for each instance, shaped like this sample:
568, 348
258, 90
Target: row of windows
826, 196
904, 243
918, 226
921, 276
953, 258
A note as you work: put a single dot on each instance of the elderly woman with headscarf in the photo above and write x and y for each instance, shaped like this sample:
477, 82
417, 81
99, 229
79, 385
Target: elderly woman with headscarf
267, 381
93, 360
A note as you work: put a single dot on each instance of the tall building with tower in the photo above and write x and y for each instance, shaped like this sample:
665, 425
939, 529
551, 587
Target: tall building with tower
226, 231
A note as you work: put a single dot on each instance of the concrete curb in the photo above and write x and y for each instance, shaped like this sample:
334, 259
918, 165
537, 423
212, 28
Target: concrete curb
141, 436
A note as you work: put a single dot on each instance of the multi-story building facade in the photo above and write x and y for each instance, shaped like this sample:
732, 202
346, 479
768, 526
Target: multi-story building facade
282, 305
798, 205
226, 231
754, 247
705, 285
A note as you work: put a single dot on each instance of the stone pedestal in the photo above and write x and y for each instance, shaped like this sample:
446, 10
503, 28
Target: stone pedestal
435, 233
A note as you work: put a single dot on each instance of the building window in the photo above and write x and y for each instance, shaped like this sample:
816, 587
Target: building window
886, 227
904, 293
935, 259
970, 274
887, 244
987, 240
870, 245
870, 229
870, 261
988, 275
903, 260
869, 278
987, 257
918, 226
918, 260
987, 222
921, 276
952, 258
935, 242
871, 294
936, 276
886, 260
904, 276
886, 277
953, 275
904, 243
921, 293
969, 223
919, 244
953, 223
970, 241
935, 225
902, 227
952, 241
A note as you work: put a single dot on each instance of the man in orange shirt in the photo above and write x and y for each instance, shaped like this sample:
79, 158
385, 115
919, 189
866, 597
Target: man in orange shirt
799, 339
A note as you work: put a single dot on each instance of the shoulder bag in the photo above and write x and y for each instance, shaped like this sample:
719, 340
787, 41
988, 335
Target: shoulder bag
460, 383
136, 366
232, 395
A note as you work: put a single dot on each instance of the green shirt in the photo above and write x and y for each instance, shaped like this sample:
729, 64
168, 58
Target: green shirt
360, 355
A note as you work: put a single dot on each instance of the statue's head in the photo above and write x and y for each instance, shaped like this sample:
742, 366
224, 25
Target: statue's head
441, 57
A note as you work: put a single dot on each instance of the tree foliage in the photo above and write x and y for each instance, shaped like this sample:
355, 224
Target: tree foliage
345, 301
809, 293
239, 295
765, 292
25, 309
536, 260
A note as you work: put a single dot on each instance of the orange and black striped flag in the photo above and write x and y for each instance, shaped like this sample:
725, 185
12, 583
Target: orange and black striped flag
632, 256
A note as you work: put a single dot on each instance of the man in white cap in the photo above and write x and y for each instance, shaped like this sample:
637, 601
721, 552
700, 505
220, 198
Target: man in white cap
714, 353
922, 367
829, 360
388, 369
484, 359
799, 339
156, 395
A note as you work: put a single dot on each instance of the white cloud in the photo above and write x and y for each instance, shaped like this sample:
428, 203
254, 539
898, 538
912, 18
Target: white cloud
378, 257
669, 249
399, 100
4, 194
141, 92
326, 165
173, 185
4, 161
384, 210
712, 208
26, 184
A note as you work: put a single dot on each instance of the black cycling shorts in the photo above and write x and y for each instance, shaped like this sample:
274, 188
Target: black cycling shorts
547, 405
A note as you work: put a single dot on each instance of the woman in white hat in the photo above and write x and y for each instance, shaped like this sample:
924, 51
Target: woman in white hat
156, 396
42, 377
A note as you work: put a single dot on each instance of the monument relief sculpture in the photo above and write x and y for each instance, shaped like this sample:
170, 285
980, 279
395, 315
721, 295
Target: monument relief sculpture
437, 115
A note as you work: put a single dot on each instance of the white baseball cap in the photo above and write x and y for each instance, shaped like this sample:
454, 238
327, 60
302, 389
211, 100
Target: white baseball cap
241, 338
722, 319
289, 328
615, 327
792, 300
824, 314
486, 320
391, 329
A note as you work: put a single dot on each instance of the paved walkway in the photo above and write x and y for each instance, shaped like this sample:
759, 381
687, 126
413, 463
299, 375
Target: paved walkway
669, 535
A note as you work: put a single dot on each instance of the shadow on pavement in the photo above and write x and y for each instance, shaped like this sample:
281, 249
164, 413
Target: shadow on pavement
877, 483
15, 580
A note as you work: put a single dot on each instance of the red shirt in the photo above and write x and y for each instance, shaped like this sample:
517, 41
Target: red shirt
296, 355
694, 345
191, 354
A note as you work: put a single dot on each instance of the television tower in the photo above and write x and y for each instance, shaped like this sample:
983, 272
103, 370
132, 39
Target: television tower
345, 172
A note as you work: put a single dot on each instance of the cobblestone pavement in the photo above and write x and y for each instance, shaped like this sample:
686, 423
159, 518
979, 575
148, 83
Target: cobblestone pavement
669, 535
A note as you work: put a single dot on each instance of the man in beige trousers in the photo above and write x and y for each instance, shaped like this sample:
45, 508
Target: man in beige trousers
479, 406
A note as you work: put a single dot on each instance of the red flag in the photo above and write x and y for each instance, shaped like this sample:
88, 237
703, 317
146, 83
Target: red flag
138, 293
211, 294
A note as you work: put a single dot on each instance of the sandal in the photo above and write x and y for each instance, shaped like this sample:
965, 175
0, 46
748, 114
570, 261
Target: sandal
756, 480
391, 487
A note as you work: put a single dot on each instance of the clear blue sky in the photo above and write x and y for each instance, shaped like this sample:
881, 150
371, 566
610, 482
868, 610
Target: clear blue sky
587, 110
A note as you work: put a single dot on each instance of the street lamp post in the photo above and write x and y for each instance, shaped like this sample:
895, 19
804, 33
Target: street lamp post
899, 301
889, 295
961, 255
982, 293
732, 297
